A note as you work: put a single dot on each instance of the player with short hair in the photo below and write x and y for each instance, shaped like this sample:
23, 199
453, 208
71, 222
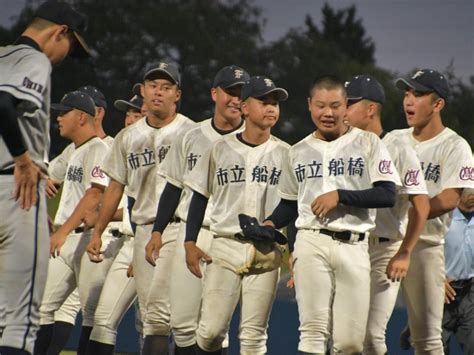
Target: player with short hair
240, 174
137, 155
25, 69
174, 202
397, 229
334, 179
447, 164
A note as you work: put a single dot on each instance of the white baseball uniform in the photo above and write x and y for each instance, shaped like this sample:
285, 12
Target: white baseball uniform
24, 74
241, 179
332, 277
181, 159
385, 240
137, 155
84, 168
446, 160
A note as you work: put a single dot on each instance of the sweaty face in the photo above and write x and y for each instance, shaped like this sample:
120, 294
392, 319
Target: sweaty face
262, 112
68, 122
160, 97
131, 117
419, 108
357, 114
328, 110
228, 103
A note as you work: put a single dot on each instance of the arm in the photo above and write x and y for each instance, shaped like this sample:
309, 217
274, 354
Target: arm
26, 172
110, 202
417, 215
89, 201
169, 201
197, 210
444, 202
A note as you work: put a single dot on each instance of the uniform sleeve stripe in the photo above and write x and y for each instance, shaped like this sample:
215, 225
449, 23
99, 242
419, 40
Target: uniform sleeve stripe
14, 51
37, 100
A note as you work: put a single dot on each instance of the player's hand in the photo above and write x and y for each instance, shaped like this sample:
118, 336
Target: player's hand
194, 256
52, 187
130, 271
397, 267
26, 175
449, 292
152, 249
90, 218
325, 203
93, 249
55, 243
291, 282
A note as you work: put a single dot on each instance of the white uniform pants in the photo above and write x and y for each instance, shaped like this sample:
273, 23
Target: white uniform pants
69, 309
383, 295
223, 288
186, 290
118, 294
24, 250
153, 283
423, 290
332, 284
74, 269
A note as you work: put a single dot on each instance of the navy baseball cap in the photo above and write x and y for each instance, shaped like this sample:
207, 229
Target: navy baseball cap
366, 87
75, 100
259, 86
95, 94
62, 13
168, 68
136, 89
134, 103
230, 76
426, 81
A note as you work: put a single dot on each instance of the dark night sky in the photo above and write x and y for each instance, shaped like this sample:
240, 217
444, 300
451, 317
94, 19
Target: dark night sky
407, 34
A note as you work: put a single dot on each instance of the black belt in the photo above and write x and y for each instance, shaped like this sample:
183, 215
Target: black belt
79, 230
175, 219
345, 235
7, 171
382, 239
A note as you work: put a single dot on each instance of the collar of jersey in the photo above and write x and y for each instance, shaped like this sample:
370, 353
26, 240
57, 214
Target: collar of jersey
28, 41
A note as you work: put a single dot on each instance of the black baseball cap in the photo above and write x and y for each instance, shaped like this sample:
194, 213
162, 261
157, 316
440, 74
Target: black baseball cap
136, 89
75, 100
426, 81
168, 68
230, 76
95, 94
366, 87
134, 103
259, 86
62, 13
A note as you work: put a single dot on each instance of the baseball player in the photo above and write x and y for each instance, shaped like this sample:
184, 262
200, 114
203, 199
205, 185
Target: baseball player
137, 154
333, 180
82, 191
183, 156
241, 174
389, 255
25, 69
119, 291
52, 339
447, 164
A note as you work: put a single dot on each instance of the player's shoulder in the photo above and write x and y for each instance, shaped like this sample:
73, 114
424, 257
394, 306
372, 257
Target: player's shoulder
184, 121
451, 138
279, 142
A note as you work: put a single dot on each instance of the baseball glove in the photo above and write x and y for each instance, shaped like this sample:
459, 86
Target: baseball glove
253, 231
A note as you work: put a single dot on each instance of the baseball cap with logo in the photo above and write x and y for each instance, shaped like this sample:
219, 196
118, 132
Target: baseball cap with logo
135, 103
62, 13
230, 76
366, 87
95, 94
426, 81
259, 86
168, 68
75, 100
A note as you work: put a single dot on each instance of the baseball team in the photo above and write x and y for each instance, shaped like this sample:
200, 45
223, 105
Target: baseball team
183, 220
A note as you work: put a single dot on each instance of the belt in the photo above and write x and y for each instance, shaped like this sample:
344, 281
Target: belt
7, 171
173, 219
382, 239
79, 230
344, 235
